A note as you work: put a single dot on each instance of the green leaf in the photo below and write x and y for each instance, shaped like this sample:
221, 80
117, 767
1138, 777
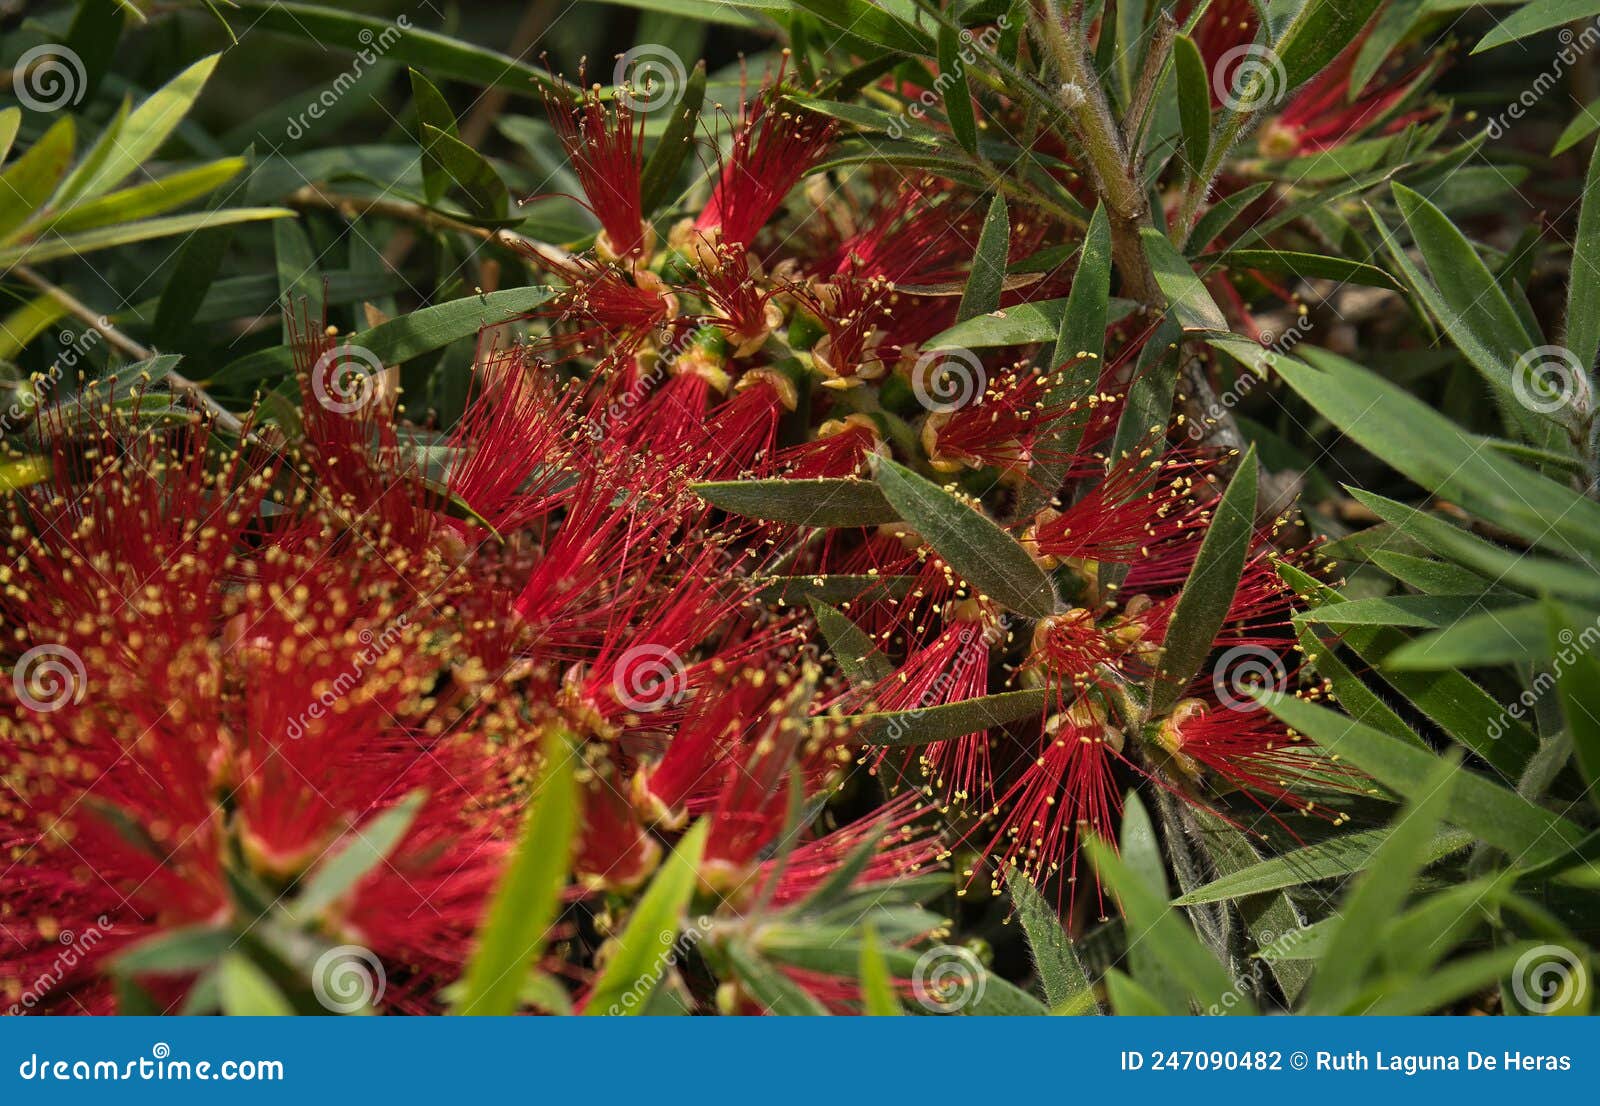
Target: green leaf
140, 135
528, 898
1427, 447
1221, 215
28, 182
247, 991
1423, 611
1194, 102
1381, 891
1318, 33
299, 281
1496, 635
1577, 674
24, 324
841, 588
877, 989
411, 335
1583, 287
1527, 833
1531, 18
150, 198
1332, 859
1020, 325
1148, 409
1309, 265
919, 727
104, 238
821, 503
1208, 592
674, 146
957, 94
645, 945
871, 22
397, 40
180, 951
1392, 25
433, 110
1066, 987
468, 170
1079, 357
988, 274
1585, 123
983, 554
851, 647
775, 991
1163, 934
1190, 299
364, 850
10, 122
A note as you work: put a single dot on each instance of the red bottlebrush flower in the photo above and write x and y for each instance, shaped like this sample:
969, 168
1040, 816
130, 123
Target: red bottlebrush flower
999, 426
840, 449
233, 714
607, 153
905, 850
1140, 504
775, 145
1318, 116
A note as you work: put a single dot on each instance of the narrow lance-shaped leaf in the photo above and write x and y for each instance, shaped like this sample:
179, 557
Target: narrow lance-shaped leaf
1583, 286
852, 647
820, 503
957, 94
1331, 859
1317, 33
1194, 102
1578, 682
468, 170
528, 897
366, 847
1380, 892
27, 182
1078, 357
1066, 987
877, 989
1208, 592
675, 144
1190, 299
921, 726
643, 948
988, 264
1530, 834
432, 110
987, 557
